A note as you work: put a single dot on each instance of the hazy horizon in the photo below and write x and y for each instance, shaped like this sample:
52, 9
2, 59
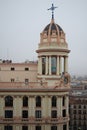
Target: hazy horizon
22, 21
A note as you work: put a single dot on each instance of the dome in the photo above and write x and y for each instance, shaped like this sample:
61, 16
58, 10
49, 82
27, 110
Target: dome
53, 27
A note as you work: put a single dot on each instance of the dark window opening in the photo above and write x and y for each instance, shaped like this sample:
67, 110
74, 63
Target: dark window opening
53, 127
25, 101
38, 101
64, 113
38, 127
26, 69
64, 127
63, 101
26, 81
54, 114
12, 68
24, 114
8, 114
12, 80
8, 128
38, 114
8, 101
24, 127
43, 65
54, 103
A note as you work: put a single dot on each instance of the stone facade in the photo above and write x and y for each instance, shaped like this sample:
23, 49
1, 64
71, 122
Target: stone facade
34, 95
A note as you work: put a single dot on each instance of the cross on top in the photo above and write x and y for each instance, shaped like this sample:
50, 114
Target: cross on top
52, 9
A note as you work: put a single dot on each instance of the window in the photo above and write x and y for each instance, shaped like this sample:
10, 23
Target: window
24, 114
53, 101
64, 113
79, 106
54, 114
38, 127
38, 114
24, 127
64, 127
63, 101
8, 101
25, 101
43, 65
38, 101
8, 114
53, 65
26, 81
8, 128
12, 80
12, 68
74, 111
53, 127
79, 111
26, 69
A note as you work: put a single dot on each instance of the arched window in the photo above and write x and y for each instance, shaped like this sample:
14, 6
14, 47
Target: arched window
38, 101
25, 101
54, 101
8, 101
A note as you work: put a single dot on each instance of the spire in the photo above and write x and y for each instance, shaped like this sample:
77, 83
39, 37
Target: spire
52, 9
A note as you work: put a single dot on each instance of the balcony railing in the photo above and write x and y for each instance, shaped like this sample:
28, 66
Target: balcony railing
34, 120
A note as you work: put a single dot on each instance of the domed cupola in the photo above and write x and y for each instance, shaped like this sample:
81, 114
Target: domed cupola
52, 27
52, 33
52, 50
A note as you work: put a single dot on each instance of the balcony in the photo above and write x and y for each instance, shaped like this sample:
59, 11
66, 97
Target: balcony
34, 120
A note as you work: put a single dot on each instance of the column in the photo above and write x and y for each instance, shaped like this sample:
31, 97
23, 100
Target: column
46, 65
57, 65
60, 65
66, 64
49, 65
44, 106
67, 105
2, 106
59, 106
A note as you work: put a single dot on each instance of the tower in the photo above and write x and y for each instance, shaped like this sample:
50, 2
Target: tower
52, 53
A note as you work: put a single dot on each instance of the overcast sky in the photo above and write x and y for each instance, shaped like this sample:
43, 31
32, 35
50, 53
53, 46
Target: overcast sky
22, 21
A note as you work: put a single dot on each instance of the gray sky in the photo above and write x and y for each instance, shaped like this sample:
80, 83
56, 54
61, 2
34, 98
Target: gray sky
22, 21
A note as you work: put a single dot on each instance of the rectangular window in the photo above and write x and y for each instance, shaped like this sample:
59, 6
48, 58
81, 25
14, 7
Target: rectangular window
38, 128
38, 114
8, 127
12, 80
54, 114
24, 114
53, 127
26, 81
26, 69
63, 101
64, 113
12, 68
8, 114
24, 127
64, 127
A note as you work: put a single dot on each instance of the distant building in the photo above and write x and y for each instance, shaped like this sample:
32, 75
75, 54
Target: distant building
34, 96
78, 112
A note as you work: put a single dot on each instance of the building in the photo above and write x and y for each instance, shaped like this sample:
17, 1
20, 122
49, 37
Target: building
78, 105
78, 112
34, 95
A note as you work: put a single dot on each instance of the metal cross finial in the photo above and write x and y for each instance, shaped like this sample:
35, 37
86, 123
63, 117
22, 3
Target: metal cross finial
52, 9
